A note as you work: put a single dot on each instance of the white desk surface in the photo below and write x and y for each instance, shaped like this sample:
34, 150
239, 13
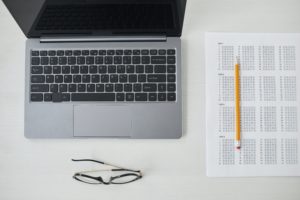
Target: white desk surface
173, 169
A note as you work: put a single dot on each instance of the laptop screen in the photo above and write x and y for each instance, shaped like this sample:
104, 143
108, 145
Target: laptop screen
98, 17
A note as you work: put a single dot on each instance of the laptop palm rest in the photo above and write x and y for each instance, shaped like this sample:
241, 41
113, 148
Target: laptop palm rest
102, 121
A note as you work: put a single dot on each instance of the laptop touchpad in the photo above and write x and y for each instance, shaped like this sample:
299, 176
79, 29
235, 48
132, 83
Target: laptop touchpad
102, 121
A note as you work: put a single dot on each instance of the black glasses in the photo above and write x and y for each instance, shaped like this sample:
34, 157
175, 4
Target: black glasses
124, 175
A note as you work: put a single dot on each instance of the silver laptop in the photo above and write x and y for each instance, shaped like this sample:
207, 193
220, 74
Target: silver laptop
102, 68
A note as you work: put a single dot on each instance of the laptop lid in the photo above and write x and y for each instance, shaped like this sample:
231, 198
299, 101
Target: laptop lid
46, 18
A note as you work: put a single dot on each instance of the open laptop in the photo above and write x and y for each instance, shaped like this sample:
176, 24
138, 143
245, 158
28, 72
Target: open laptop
102, 68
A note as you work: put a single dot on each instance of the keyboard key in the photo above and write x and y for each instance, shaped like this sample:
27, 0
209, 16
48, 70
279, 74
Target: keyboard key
171, 97
100, 87
56, 69
36, 69
171, 69
104, 78
140, 69
93, 69
121, 69
81, 87
47, 69
149, 69
49, 79
37, 79
68, 53
129, 96
145, 59
145, 52
66, 69
108, 60
127, 87
114, 78
156, 78
72, 87
62, 60
123, 78
52, 53
152, 97
43, 53
63, 88
71, 60
141, 78
44, 60
35, 61
132, 78
171, 51
102, 52
162, 96
94, 52
58, 78
171, 59
47, 97
90, 60
86, 78
126, 59
39, 88
162, 52
93, 96
171, 78
54, 88
80, 60
160, 69
158, 60
136, 52
162, 87
136, 60
57, 97
129, 69
149, 87
140, 96
120, 97
171, 87
99, 60
77, 53
112, 69
53, 60
60, 53
68, 78
84, 69
35, 53
153, 52
137, 87
77, 78
118, 60
91, 88
85, 52
36, 97
111, 52
74, 69
109, 87
95, 78
119, 87
102, 69
128, 52
66, 97
119, 52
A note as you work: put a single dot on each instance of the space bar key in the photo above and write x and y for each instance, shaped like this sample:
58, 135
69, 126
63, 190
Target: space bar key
93, 96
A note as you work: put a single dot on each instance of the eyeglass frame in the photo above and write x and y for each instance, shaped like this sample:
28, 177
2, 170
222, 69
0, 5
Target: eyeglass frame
136, 173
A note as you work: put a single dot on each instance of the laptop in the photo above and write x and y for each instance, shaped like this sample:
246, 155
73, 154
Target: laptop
102, 68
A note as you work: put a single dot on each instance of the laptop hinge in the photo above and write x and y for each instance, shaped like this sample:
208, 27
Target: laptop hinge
103, 39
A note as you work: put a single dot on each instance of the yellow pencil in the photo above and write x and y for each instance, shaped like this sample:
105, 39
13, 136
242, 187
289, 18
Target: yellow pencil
237, 104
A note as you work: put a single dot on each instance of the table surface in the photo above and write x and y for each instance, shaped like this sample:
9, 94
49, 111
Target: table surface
173, 169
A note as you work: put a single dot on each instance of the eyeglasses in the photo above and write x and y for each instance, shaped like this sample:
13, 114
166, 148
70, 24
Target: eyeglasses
124, 175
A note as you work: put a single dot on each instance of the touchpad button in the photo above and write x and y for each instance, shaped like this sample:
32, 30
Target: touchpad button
102, 121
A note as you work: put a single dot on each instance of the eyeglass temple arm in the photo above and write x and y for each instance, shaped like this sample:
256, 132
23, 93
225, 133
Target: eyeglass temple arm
96, 161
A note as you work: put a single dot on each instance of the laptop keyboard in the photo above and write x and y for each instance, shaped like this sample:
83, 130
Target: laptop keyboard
132, 75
